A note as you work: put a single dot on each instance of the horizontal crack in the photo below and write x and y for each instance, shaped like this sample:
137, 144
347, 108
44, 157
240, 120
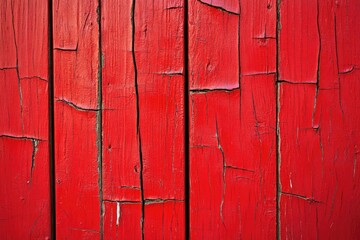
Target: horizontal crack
122, 201
296, 83
21, 137
259, 74
173, 7
238, 168
8, 68
160, 200
310, 200
206, 90
31, 77
219, 8
77, 107
67, 49
170, 73
352, 69
130, 187
146, 201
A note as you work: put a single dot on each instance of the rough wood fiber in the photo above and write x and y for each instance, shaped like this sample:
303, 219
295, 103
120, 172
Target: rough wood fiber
213, 46
298, 41
24, 158
143, 119
232, 120
76, 50
319, 122
267, 159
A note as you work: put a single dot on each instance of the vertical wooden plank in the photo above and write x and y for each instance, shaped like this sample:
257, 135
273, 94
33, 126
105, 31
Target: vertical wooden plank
24, 158
213, 45
121, 165
298, 41
143, 118
121, 161
232, 120
319, 124
258, 37
159, 65
76, 50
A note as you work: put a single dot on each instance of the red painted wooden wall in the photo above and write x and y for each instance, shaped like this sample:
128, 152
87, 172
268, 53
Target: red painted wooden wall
179, 119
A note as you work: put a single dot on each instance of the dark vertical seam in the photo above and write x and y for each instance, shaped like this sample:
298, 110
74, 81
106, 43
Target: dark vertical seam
51, 121
278, 153
138, 132
239, 60
99, 129
320, 43
187, 120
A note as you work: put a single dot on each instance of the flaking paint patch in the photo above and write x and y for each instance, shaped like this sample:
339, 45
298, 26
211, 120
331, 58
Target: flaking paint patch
118, 214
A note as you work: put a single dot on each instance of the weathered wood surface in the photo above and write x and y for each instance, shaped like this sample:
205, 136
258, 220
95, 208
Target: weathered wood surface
319, 119
143, 119
262, 94
232, 120
76, 107
24, 152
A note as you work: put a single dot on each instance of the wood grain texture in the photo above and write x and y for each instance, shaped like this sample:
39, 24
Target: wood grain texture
213, 46
143, 118
159, 59
232, 121
319, 124
298, 41
122, 220
24, 155
258, 37
76, 61
264, 92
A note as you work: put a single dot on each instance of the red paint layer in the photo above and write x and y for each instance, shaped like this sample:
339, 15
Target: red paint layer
24, 158
76, 62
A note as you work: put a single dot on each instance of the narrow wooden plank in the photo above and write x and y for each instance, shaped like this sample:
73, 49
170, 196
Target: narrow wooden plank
213, 30
298, 41
159, 59
258, 37
143, 118
232, 120
24, 158
121, 159
319, 129
301, 157
76, 50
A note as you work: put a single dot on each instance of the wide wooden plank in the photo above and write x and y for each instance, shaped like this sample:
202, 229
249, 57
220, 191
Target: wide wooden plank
232, 120
319, 127
143, 118
24, 152
232, 161
76, 61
